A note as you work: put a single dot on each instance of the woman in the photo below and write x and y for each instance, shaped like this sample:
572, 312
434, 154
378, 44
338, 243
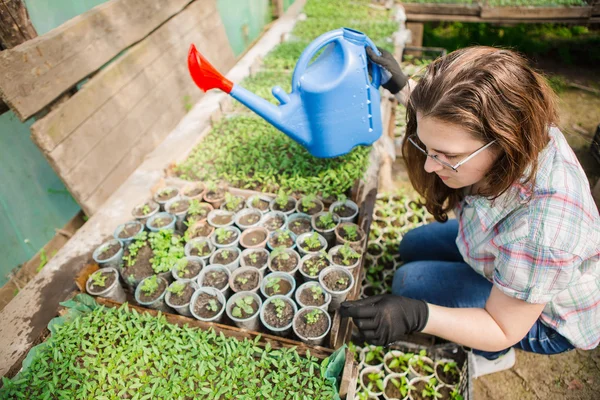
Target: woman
520, 264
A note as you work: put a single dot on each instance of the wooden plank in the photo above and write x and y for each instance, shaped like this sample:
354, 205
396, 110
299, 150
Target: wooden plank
40, 70
473, 18
15, 26
535, 12
102, 97
444, 9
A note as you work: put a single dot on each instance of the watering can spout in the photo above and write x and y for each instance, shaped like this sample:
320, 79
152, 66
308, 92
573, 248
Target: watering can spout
204, 74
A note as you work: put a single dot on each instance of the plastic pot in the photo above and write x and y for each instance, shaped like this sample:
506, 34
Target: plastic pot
349, 204
368, 370
363, 356
170, 226
291, 211
388, 356
158, 303
282, 275
273, 214
213, 292
236, 232
441, 362
116, 261
197, 225
298, 216
337, 297
279, 232
162, 203
216, 201
241, 270
215, 267
335, 250
412, 373
312, 341
245, 212
300, 239
183, 309
193, 278
308, 285
232, 266
127, 225
246, 242
250, 202
328, 234
357, 245
388, 377
214, 216
300, 209
114, 291
199, 240
138, 215
262, 268
181, 215
198, 187
306, 277
292, 253
250, 323
285, 330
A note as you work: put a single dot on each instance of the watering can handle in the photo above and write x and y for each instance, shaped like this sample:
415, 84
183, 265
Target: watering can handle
323, 41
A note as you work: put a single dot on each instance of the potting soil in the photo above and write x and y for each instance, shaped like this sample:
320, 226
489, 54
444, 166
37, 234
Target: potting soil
317, 261
331, 281
261, 259
279, 264
254, 237
339, 260
392, 391
222, 219
217, 195
284, 288
160, 222
139, 210
110, 278
109, 251
420, 370
300, 226
307, 298
164, 196
274, 223
232, 238
193, 268
194, 192
202, 302
179, 206
417, 392
251, 283
245, 315
317, 208
216, 279
142, 268
147, 298
311, 330
184, 297
249, 219
270, 315
130, 230
262, 205
288, 207
278, 241
231, 256
447, 377
200, 250
344, 211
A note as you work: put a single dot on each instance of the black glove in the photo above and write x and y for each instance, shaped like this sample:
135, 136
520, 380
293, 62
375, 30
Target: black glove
387, 61
383, 319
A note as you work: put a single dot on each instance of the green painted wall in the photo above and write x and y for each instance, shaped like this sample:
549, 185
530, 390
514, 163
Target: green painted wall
244, 20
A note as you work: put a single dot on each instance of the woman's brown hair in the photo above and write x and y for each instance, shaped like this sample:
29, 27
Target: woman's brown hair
495, 95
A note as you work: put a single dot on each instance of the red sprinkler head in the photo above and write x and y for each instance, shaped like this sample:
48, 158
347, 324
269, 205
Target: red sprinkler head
204, 74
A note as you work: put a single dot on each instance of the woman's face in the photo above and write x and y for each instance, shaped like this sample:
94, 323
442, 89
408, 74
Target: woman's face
452, 144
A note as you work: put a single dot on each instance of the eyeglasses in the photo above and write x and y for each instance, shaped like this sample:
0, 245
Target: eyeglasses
436, 158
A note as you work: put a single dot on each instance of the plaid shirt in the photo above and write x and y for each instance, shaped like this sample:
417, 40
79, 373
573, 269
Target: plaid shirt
543, 251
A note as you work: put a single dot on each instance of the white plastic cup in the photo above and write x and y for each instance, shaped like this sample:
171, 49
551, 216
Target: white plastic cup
312, 341
252, 323
114, 292
285, 330
185, 308
336, 297
213, 292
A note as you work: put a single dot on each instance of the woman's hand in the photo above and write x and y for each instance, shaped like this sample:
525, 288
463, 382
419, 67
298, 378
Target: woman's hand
383, 319
396, 80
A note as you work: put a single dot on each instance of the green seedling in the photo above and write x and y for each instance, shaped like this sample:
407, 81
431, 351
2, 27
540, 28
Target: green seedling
166, 191
351, 232
212, 305
282, 236
196, 208
282, 199
280, 253
243, 304
138, 242
315, 265
316, 292
342, 198
241, 280
374, 354
223, 234
327, 222
279, 307
146, 209
308, 202
202, 249
375, 382
451, 367
273, 284
167, 250
402, 385
232, 202
430, 389
256, 202
455, 395
312, 241
177, 288
313, 316
99, 279
225, 254
342, 281
400, 361
150, 285
348, 254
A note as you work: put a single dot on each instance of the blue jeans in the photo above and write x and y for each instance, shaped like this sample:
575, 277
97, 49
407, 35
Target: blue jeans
434, 271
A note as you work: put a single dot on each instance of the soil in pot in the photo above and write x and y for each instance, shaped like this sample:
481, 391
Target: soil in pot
109, 251
216, 279
194, 191
207, 306
325, 222
350, 233
199, 230
182, 298
226, 237
339, 260
366, 382
374, 249
274, 223
281, 240
312, 323
313, 244
392, 391
143, 210
278, 317
312, 296
450, 377
257, 259
128, 231
290, 205
417, 392
310, 207
247, 280
200, 250
446, 392
344, 211
283, 264
179, 206
161, 221
380, 224
215, 195
277, 286
235, 204
312, 266
420, 369
300, 226
243, 311
109, 278
222, 219
255, 237
249, 219
337, 281
191, 269
224, 257
260, 204
166, 194
141, 268
397, 223
150, 297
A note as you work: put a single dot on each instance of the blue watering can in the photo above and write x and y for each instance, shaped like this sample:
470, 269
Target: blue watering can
333, 106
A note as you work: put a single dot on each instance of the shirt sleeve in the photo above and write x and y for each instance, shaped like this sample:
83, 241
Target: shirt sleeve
535, 273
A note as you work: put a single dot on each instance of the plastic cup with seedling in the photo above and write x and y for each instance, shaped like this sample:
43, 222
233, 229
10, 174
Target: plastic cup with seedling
273, 284
308, 202
241, 280
430, 390
326, 221
280, 254
231, 201
202, 248
282, 199
317, 264
99, 280
312, 241
400, 361
279, 307
402, 385
181, 267
253, 257
212, 305
348, 254
282, 237
150, 285
242, 304
375, 382
223, 234
146, 209
374, 354
316, 292
351, 232
451, 368
176, 288
313, 316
